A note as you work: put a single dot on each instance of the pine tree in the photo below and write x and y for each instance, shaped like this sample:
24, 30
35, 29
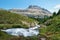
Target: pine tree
58, 12
54, 14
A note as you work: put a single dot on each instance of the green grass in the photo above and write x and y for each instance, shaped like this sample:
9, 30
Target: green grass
6, 26
8, 19
4, 36
12, 18
52, 30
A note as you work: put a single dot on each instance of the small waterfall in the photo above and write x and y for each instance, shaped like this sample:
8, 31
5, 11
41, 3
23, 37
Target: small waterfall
36, 27
23, 32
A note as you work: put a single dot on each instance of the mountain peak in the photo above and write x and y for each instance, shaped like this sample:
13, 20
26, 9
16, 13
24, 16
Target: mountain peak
34, 7
33, 11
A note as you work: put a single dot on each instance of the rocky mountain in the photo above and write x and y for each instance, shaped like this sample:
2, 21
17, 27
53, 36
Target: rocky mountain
32, 11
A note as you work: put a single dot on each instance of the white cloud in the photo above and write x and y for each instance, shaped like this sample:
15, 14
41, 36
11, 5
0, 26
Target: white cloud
53, 10
57, 6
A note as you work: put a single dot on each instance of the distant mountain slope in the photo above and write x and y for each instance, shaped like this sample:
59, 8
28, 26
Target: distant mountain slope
32, 11
7, 17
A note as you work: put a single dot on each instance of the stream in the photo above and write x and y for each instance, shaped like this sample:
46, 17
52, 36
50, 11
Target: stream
23, 32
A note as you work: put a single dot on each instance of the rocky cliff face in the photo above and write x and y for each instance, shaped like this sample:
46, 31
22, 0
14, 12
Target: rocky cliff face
32, 11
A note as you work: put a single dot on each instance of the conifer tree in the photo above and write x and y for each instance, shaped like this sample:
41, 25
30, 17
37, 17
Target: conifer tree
58, 12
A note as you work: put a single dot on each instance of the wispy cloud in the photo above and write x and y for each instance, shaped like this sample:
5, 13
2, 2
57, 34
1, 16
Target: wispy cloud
57, 6
53, 10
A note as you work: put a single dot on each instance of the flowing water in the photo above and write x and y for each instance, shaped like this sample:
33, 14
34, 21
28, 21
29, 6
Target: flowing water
22, 31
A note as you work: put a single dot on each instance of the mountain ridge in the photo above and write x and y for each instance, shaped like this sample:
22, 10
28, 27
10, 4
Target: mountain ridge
32, 11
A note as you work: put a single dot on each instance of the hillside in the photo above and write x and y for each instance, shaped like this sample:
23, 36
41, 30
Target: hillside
52, 29
7, 18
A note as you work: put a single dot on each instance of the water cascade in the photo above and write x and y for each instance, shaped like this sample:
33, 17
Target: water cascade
23, 32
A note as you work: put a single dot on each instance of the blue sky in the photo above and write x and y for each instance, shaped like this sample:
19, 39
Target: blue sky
51, 5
